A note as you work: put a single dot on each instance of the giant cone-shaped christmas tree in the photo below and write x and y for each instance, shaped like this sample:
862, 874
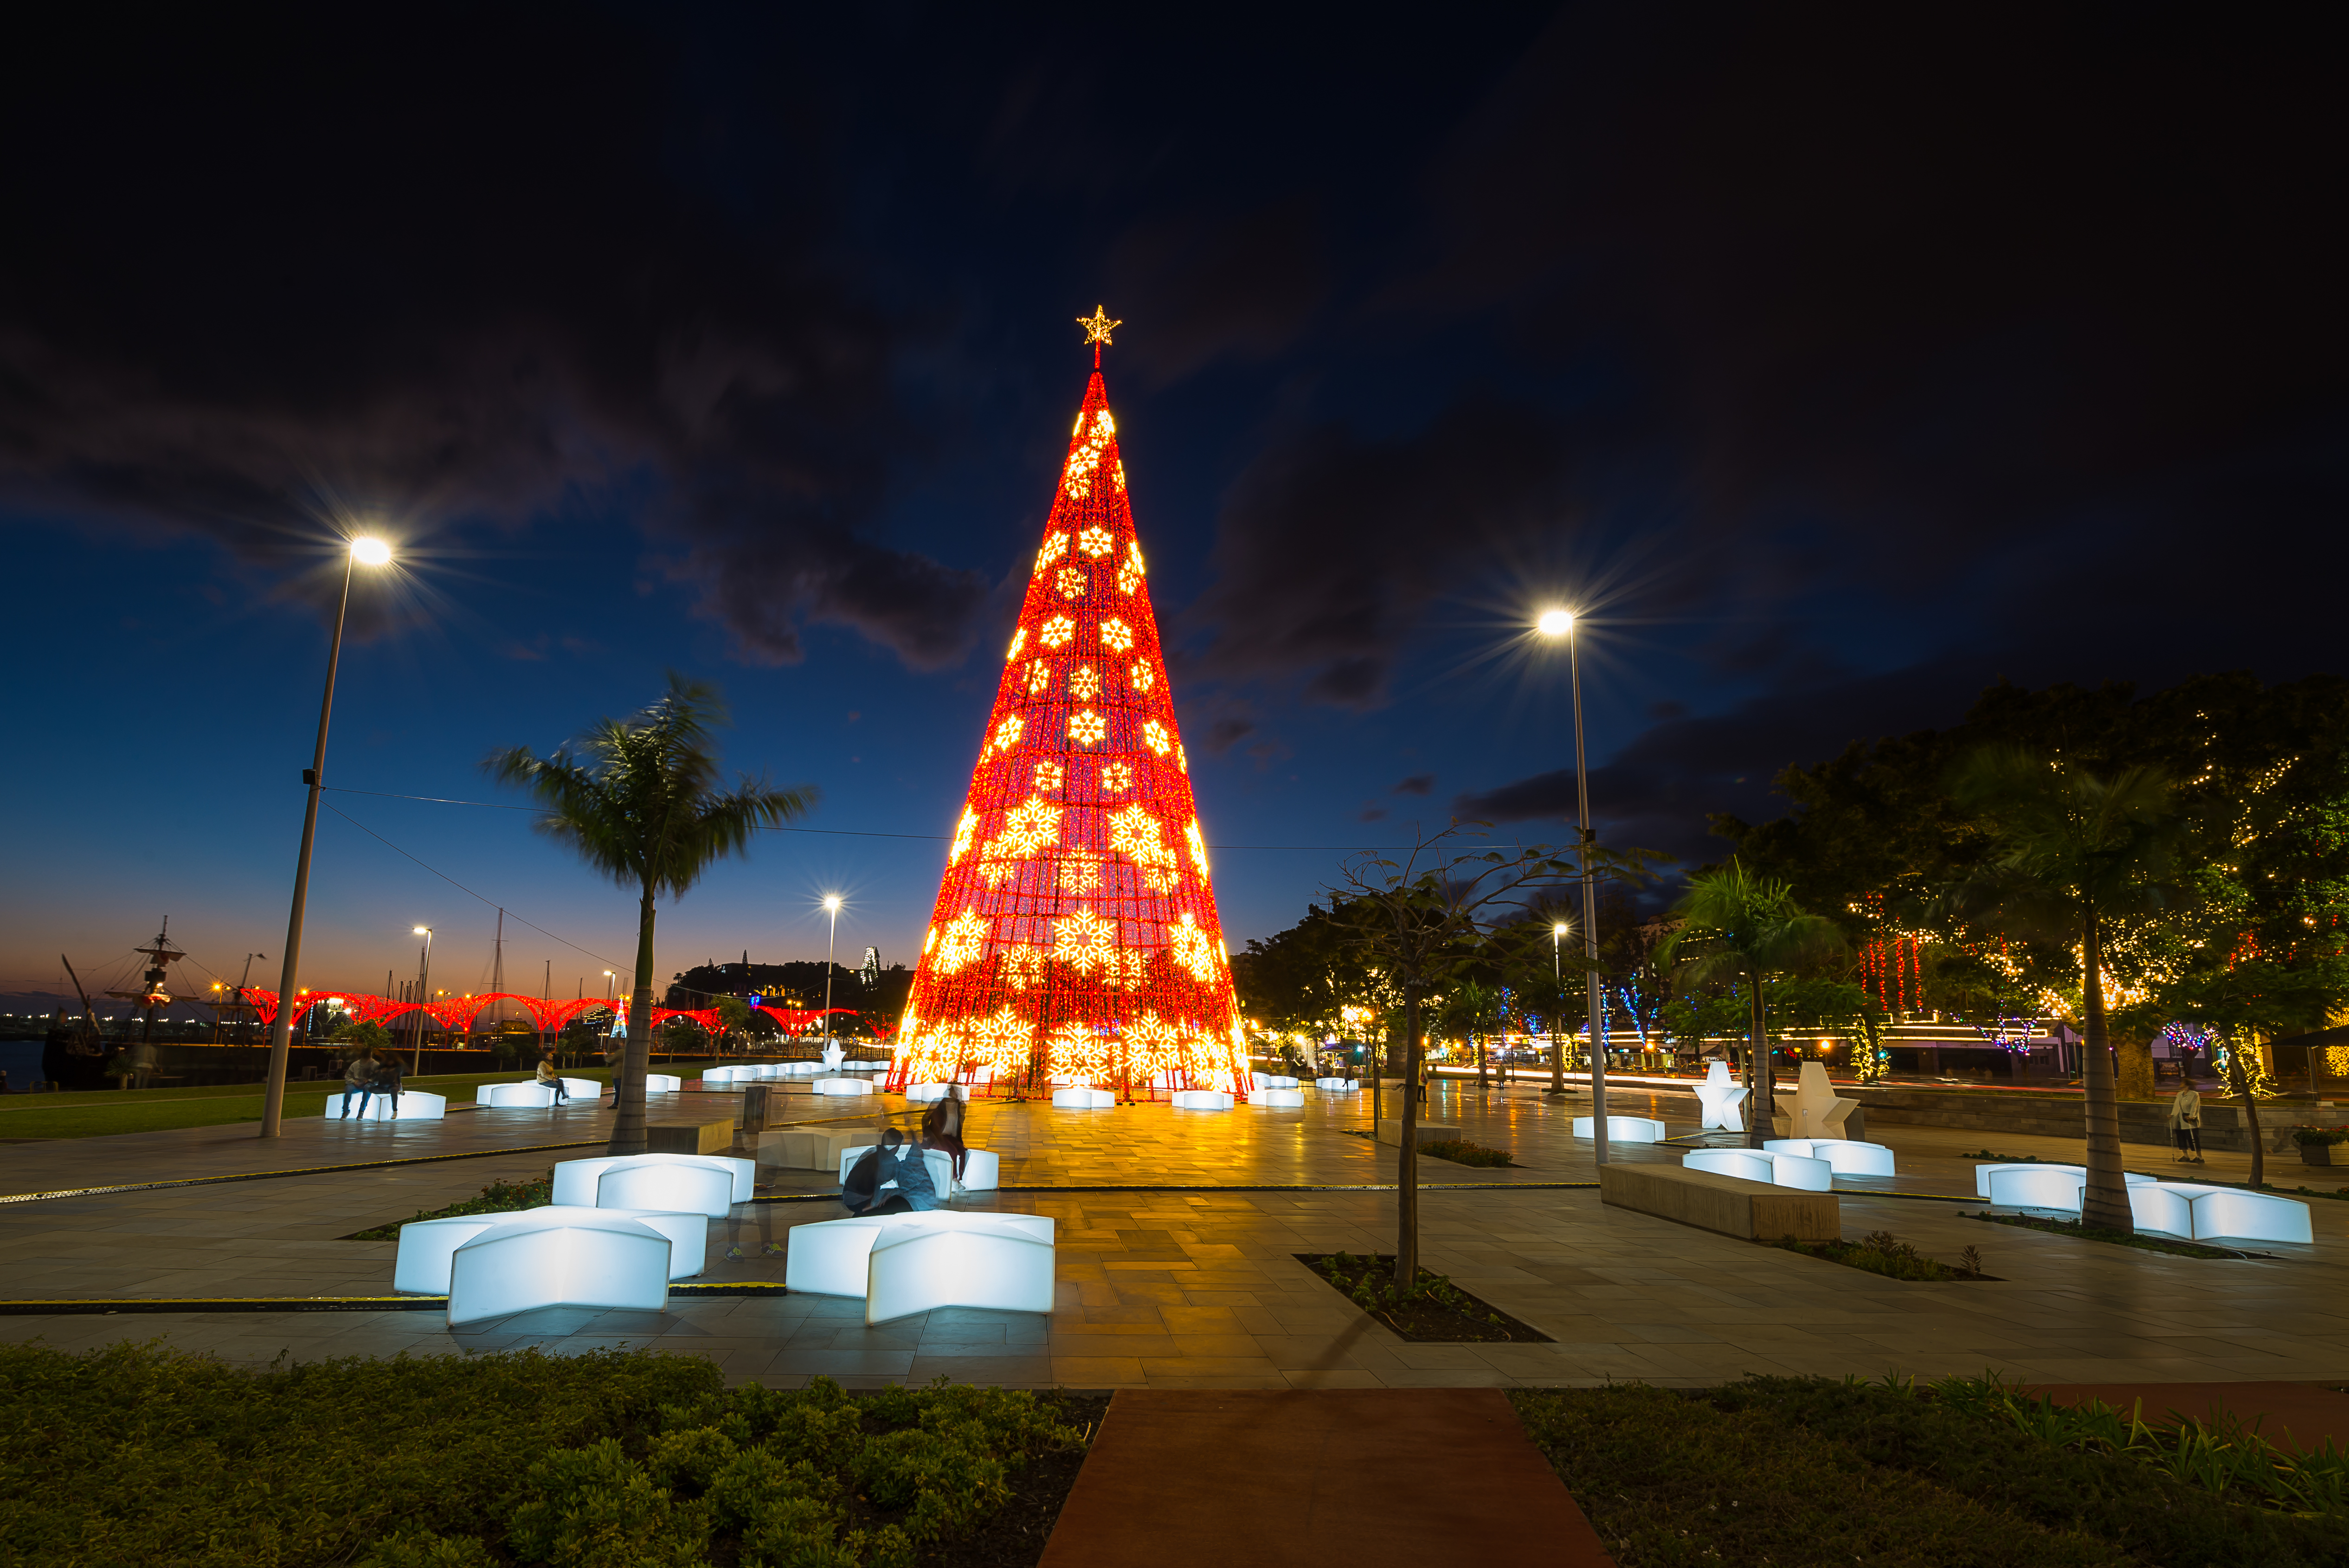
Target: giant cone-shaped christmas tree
1075, 936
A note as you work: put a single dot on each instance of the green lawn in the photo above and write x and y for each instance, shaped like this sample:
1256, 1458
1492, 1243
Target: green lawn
98, 1113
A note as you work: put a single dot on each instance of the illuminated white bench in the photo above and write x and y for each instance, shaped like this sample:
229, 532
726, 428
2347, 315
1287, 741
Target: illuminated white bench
1080, 1098
926, 1093
1338, 1086
409, 1105
1985, 1175
1277, 1099
981, 1169
664, 1083
561, 1257
2233, 1212
840, 1086
1202, 1099
1624, 1129
577, 1181
906, 1263
1849, 1156
1796, 1171
531, 1095
1269, 1080
427, 1246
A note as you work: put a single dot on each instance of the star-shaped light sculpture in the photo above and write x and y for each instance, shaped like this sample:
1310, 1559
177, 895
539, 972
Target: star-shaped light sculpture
1098, 326
1721, 1098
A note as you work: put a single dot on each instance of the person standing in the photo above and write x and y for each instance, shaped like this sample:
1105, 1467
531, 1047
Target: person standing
358, 1083
2185, 1124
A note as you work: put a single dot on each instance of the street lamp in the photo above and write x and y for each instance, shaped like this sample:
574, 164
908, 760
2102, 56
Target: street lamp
423, 992
1557, 1013
1560, 623
362, 552
832, 907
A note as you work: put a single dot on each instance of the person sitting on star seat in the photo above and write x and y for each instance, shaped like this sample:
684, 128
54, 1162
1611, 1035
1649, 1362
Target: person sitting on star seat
862, 1193
942, 1128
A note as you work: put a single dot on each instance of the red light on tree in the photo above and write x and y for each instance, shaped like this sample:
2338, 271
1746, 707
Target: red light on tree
1075, 933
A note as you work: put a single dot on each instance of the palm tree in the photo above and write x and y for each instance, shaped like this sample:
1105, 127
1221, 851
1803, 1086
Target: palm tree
637, 800
1744, 929
2071, 849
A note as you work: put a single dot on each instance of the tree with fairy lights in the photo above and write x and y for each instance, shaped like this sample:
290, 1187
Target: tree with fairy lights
1075, 937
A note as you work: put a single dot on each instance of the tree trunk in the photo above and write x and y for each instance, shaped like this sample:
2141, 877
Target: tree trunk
2106, 1201
628, 1126
1407, 1158
2243, 1077
1761, 1106
2133, 1062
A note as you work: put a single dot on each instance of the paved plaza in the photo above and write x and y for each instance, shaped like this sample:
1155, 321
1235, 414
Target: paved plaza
1176, 1236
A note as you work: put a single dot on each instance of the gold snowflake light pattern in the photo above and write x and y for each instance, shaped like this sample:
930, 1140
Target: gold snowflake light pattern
1075, 935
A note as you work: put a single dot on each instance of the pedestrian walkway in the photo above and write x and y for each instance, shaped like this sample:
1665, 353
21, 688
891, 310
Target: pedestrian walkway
1374, 1478
1166, 1288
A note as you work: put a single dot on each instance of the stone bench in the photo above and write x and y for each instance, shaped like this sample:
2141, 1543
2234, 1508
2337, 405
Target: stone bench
1750, 1211
1426, 1132
689, 1137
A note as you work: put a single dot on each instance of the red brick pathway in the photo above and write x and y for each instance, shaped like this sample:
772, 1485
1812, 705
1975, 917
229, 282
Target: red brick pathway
1366, 1477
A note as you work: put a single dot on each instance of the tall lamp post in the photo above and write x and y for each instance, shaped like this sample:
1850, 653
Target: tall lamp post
832, 907
363, 552
1560, 623
423, 993
1557, 1013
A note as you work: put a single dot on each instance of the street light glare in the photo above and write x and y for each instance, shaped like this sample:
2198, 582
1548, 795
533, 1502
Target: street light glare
832, 903
1560, 929
1555, 623
424, 931
370, 551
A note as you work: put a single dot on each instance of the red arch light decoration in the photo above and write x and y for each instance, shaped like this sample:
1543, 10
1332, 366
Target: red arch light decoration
546, 1014
1075, 933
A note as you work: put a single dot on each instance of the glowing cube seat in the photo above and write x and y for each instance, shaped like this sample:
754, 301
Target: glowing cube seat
906, 1263
427, 1246
1796, 1171
2249, 1216
577, 1181
1624, 1129
1269, 1081
409, 1105
1202, 1099
664, 1083
926, 1093
1848, 1156
1277, 1099
842, 1086
560, 1257
2038, 1187
1080, 1098
1984, 1173
681, 1189
531, 1095
1337, 1085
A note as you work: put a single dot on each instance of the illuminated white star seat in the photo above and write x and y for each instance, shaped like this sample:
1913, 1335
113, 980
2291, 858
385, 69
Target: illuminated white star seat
582, 1181
1813, 1110
1796, 1171
531, 1095
981, 1169
1076, 1098
906, 1263
1848, 1156
842, 1086
2194, 1210
664, 1083
1337, 1085
409, 1105
561, 1257
1277, 1099
1720, 1100
1269, 1081
427, 1246
927, 1093
1624, 1129
1201, 1099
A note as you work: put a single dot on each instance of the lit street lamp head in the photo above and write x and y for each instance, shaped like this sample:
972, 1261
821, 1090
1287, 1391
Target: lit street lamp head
1555, 623
424, 931
1560, 929
832, 903
369, 551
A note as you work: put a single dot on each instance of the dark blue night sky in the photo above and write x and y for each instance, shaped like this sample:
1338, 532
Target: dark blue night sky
1839, 360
